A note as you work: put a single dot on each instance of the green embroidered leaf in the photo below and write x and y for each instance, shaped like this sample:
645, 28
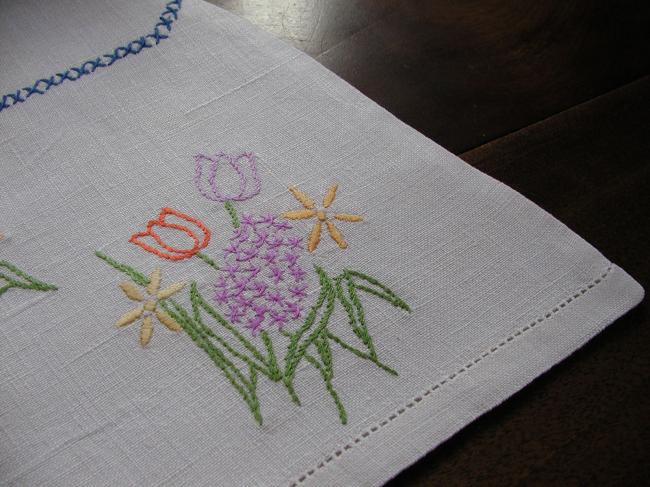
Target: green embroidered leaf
360, 354
349, 297
12, 277
327, 371
207, 260
347, 305
378, 289
296, 348
239, 359
245, 386
136, 276
256, 358
362, 330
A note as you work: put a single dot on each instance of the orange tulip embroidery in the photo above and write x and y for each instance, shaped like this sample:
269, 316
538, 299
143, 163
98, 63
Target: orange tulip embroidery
199, 235
320, 215
149, 308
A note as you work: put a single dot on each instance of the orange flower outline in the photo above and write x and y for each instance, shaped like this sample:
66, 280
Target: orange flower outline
173, 253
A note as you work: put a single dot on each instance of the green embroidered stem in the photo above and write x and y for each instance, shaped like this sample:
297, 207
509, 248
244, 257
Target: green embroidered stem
274, 371
249, 396
31, 282
136, 276
207, 260
246, 387
323, 347
253, 376
360, 331
309, 321
230, 208
290, 369
207, 332
295, 352
292, 392
238, 358
180, 311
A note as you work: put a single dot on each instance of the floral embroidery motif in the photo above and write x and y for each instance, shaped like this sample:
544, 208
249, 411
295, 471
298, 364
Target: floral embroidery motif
12, 277
245, 170
149, 307
262, 283
310, 211
198, 234
257, 307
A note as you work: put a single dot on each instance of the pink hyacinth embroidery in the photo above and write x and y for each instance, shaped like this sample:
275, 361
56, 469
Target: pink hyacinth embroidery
240, 169
261, 283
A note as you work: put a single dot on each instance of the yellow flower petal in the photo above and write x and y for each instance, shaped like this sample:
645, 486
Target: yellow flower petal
154, 282
146, 330
170, 290
131, 290
336, 235
348, 217
305, 200
168, 321
330, 195
314, 237
130, 317
298, 214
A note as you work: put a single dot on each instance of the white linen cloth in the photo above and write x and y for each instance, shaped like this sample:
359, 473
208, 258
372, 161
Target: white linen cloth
499, 290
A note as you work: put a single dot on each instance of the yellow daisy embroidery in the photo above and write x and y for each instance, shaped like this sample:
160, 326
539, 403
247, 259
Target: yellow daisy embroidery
149, 308
321, 216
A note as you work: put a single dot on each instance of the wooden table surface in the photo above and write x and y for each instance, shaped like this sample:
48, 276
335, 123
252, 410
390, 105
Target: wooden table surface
551, 97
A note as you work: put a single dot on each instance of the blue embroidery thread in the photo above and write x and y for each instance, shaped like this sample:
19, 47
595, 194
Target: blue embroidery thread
160, 31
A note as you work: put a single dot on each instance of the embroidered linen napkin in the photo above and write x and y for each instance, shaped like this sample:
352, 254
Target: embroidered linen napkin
222, 265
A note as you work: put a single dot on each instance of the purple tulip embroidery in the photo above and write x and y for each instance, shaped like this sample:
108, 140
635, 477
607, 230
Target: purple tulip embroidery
242, 168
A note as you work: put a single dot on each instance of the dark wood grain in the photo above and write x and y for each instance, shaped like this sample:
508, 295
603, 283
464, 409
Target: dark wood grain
466, 72
554, 98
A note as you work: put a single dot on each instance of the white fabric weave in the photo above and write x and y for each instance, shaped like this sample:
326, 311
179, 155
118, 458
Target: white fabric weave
85, 165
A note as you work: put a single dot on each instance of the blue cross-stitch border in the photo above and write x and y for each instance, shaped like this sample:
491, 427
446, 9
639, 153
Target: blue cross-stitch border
41, 86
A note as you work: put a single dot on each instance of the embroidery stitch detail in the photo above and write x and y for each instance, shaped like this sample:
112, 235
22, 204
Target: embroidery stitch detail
233, 213
245, 169
260, 287
160, 31
149, 306
261, 248
14, 277
137, 277
321, 217
229, 351
169, 252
